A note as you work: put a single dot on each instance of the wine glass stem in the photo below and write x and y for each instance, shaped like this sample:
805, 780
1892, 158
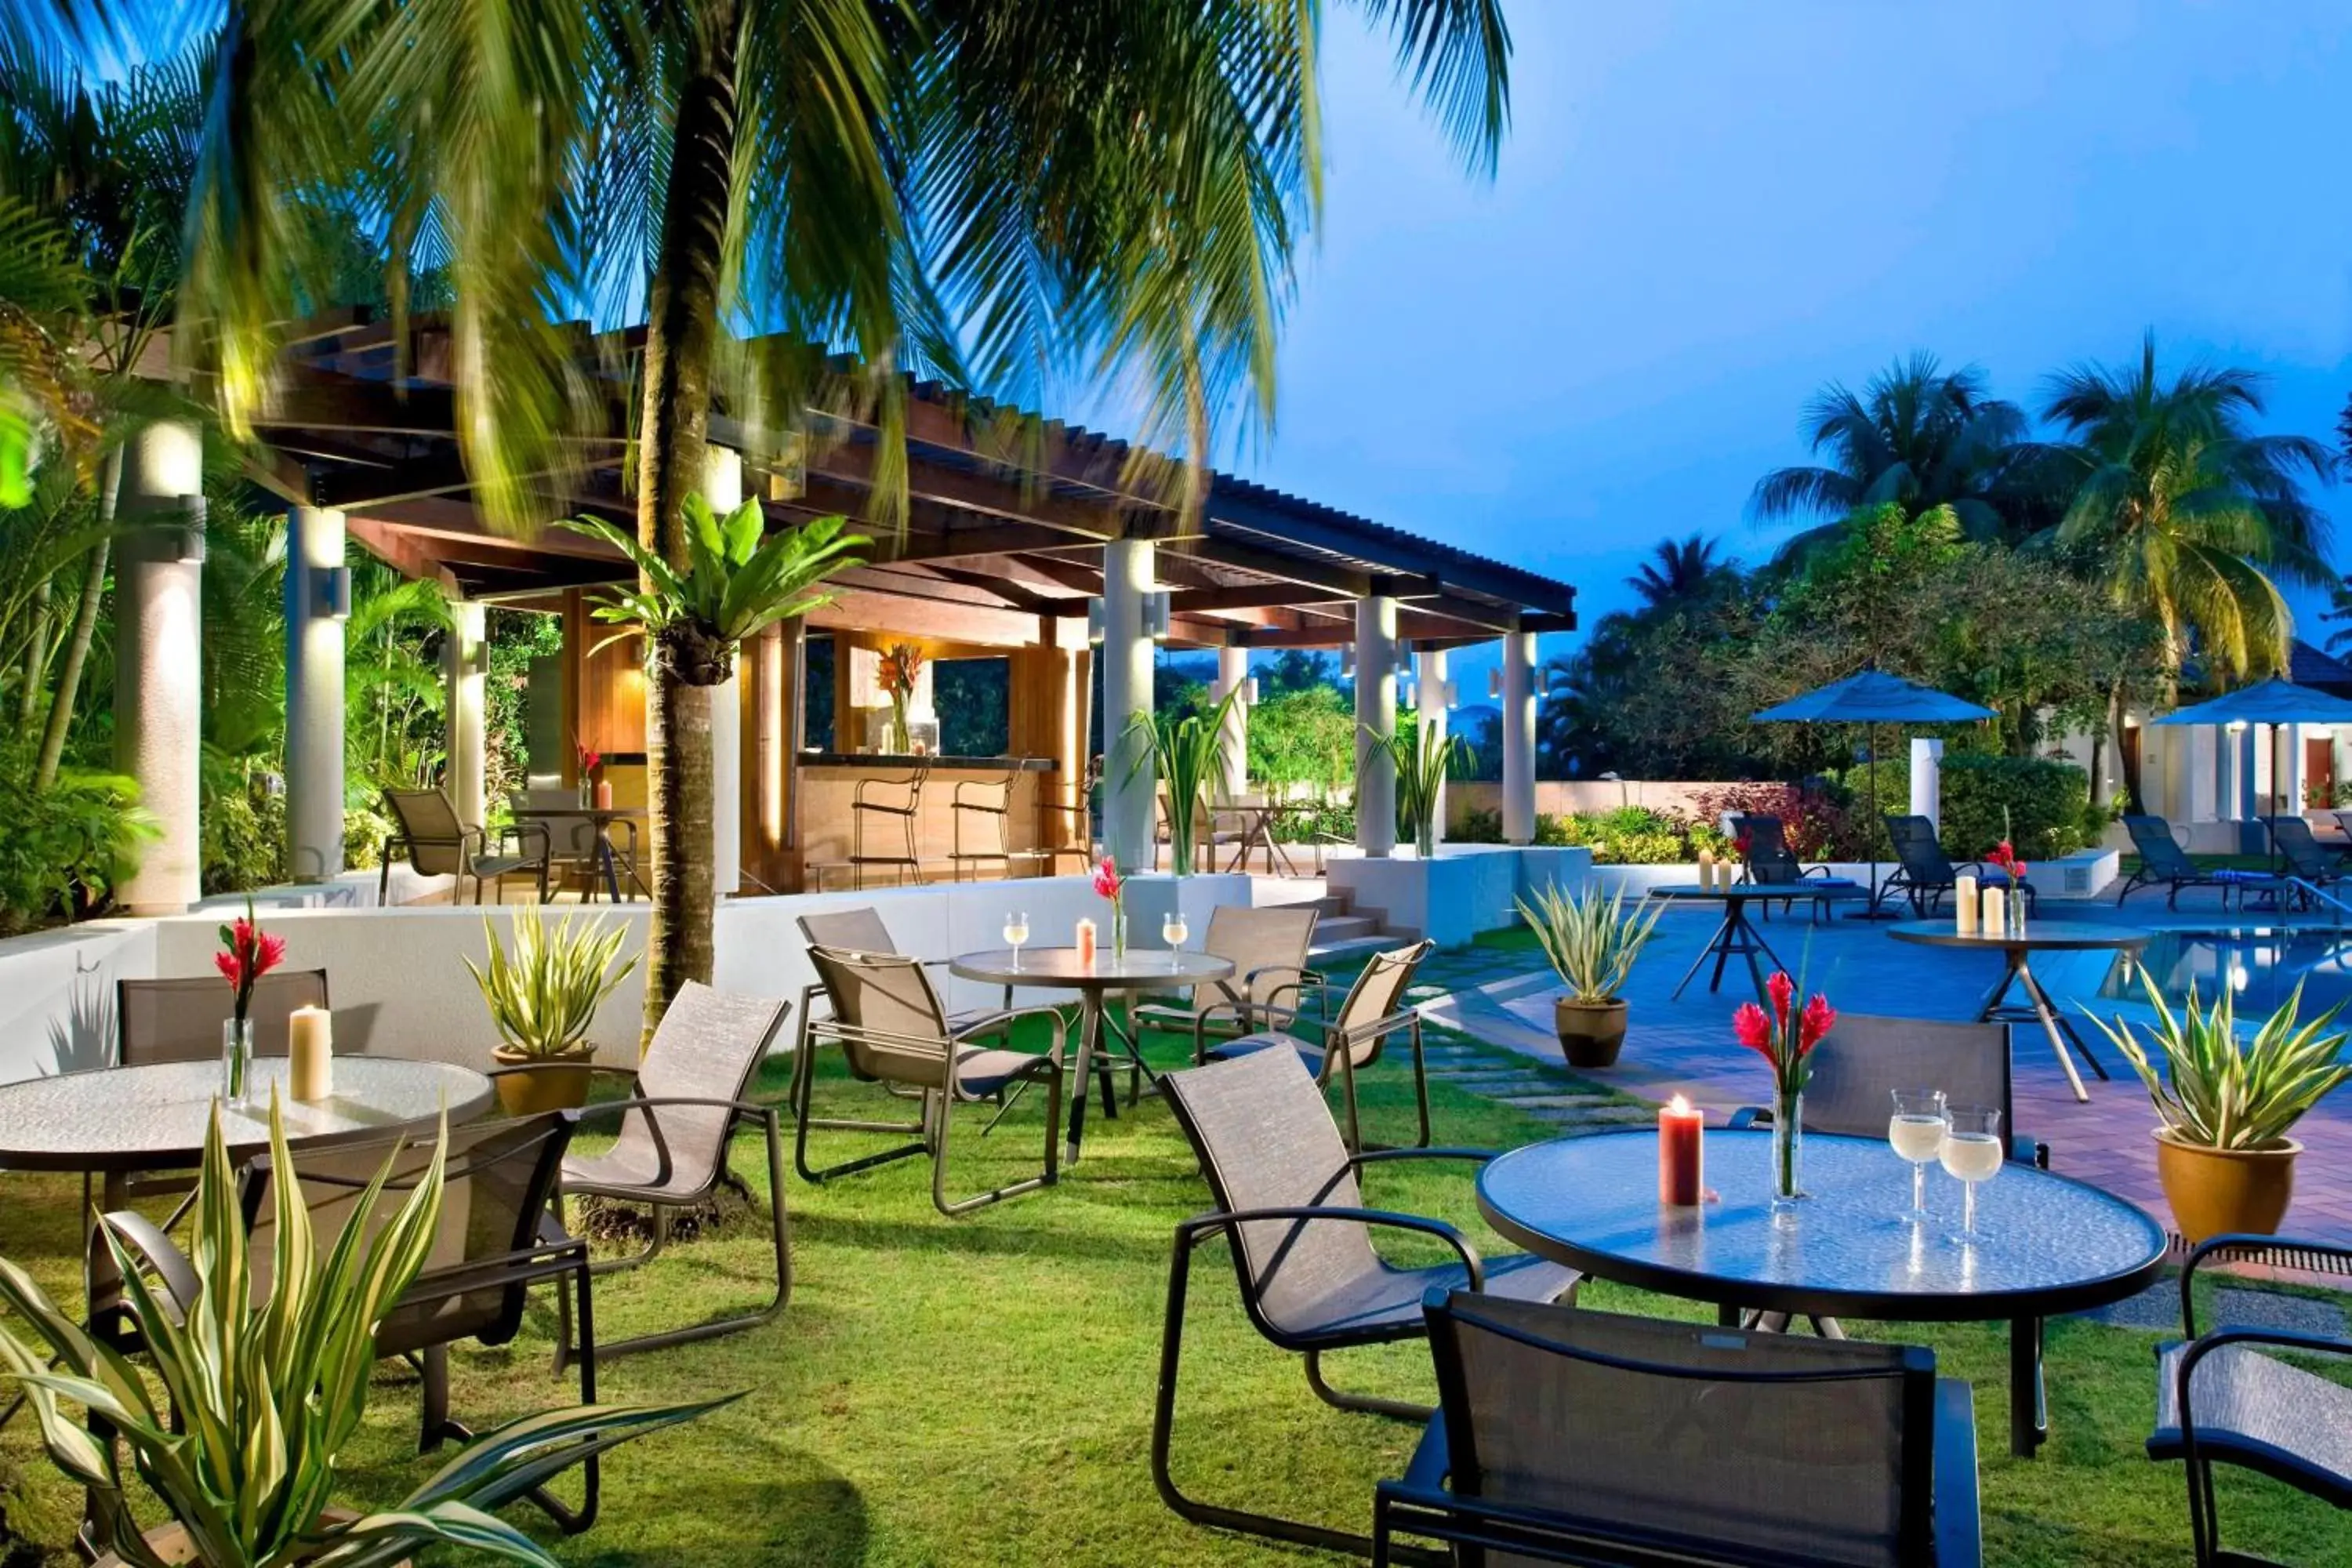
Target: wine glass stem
1918, 1189
1968, 1208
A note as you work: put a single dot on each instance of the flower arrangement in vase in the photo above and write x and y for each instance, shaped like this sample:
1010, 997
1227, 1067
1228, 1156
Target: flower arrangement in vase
2003, 856
1112, 885
1785, 1038
590, 760
902, 666
247, 953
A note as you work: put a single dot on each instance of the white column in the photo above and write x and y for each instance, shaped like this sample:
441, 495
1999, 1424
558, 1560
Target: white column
466, 664
1128, 781
722, 486
1519, 737
2297, 775
1429, 698
1232, 675
1375, 689
318, 597
158, 666
1927, 778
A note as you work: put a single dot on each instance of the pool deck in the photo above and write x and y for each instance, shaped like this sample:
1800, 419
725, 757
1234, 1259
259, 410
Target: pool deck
1505, 997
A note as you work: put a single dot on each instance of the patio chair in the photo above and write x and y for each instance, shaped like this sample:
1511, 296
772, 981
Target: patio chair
1289, 1207
1374, 1009
2221, 1398
890, 1023
180, 1020
497, 1239
691, 1092
1862, 1060
1078, 820
426, 830
2307, 861
2163, 860
1565, 1436
577, 846
1769, 862
1268, 948
1926, 873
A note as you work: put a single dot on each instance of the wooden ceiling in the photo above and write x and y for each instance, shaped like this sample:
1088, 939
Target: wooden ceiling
1002, 534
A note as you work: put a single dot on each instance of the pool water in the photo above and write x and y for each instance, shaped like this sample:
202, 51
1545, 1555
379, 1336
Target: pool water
2262, 963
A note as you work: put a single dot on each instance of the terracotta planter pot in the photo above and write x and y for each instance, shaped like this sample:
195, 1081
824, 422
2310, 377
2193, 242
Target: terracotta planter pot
2216, 1191
539, 1085
1590, 1032
170, 1542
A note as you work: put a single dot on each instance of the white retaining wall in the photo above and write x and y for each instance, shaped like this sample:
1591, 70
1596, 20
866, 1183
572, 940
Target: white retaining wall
1464, 890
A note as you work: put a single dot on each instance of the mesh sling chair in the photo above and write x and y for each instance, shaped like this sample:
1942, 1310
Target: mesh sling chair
1374, 1008
1290, 1209
690, 1093
497, 1238
1926, 873
1571, 1436
2221, 1398
426, 828
180, 1020
2162, 860
2307, 860
890, 1022
577, 847
1769, 862
1268, 948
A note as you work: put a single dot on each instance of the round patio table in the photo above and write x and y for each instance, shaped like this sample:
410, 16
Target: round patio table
2018, 948
1737, 936
603, 818
2047, 1244
1059, 969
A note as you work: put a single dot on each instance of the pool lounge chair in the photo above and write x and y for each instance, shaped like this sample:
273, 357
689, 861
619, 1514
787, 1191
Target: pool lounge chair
2162, 860
2306, 860
1926, 873
1769, 862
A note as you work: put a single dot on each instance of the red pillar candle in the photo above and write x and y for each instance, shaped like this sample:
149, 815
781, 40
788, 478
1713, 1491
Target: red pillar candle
1680, 1153
1087, 943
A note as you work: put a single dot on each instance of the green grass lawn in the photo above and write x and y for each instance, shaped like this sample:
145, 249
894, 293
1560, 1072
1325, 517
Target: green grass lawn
979, 1391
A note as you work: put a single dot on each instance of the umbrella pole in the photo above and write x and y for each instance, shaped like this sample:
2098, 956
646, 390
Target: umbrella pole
1870, 910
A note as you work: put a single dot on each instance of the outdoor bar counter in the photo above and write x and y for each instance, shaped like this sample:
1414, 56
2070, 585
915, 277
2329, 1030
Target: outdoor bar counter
827, 784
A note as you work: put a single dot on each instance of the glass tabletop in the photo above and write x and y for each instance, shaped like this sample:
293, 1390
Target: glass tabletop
2054, 935
1061, 966
2049, 1244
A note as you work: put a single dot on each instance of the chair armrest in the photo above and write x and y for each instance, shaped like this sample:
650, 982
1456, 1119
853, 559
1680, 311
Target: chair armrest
2206, 1344
146, 1239
1427, 1471
1749, 1116
519, 831
2242, 1241
649, 1106
1370, 1156
992, 1021
1189, 1232
1960, 1529
2028, 1150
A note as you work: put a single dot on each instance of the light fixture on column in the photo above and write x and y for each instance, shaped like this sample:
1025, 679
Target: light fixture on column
331, 592
1543, 681
1406, 687
1495, 684
1249, 690
1158, 610
1094, 620
1348, 662
1453, 698
185, 539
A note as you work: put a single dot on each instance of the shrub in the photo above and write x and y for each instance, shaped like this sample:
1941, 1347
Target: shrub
1477, 826
63, 851
1318, 819
1629, 836
2045, 802
1816, 827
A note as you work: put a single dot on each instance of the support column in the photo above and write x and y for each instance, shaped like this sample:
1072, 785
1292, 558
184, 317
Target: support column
1129, 783
158, 664
1429, 696
1518, 737
722, 486
465, 665
1376, 684
1927, 778
318, 598
1232, 675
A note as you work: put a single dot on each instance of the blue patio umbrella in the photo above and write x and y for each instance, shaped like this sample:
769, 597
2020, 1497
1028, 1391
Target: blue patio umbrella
1872, 698
2273, 702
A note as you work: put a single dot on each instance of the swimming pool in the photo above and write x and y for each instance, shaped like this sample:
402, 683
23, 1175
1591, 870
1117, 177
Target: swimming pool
2262, 963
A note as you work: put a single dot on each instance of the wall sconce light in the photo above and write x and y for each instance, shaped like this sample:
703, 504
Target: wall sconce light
2237, 726
1094, 620
1249, 689
1348, 662
331, 592
1543, 682
1405, 689
1495, 684
1453, 698
1158, 610
186, 541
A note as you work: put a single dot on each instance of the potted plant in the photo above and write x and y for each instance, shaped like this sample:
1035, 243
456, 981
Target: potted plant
1425, 760
264, 1394
543, 995
1188, 751
1591, 942
2225, 1106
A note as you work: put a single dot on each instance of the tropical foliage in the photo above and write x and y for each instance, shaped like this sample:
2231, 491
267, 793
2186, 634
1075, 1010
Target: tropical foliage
544, 990
1187, 753
2217, 1091
1591, 941
1424, 761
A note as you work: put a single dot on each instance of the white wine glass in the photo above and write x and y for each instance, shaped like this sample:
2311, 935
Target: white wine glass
1173, 930
1971, 1152
1016, 931
1916, 1133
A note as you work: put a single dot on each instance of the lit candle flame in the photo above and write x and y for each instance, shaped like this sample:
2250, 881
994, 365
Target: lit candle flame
1679, 1106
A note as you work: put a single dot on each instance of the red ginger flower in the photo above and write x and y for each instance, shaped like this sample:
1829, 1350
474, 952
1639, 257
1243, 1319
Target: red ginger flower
247, 952
1752, 1028
1819, 1019
1782, 990
1107, 881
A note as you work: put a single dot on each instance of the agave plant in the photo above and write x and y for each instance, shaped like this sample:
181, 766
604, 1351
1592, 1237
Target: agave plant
1425, 760
2217, 1092
1592, 942
262, 1397
543, 994
1189, 754
739, 581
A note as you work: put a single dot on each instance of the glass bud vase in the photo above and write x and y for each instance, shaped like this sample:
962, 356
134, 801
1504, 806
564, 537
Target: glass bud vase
1119, 931
236, 1060
1788, 1149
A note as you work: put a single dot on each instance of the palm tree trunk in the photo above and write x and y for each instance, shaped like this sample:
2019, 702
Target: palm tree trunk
680, 338
37, 659
62, 705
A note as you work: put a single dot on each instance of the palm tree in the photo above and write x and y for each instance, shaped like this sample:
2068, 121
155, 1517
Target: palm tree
1917, 435
988, 190
2182, 513
1683, 570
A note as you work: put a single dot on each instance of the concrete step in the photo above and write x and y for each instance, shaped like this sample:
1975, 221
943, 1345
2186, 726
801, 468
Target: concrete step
1354, 947
1344, 928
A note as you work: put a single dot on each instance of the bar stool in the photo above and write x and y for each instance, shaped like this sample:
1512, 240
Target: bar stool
1081, 820
991, 801
864, 806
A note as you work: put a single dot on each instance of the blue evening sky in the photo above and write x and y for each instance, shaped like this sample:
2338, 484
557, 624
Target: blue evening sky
1705, 210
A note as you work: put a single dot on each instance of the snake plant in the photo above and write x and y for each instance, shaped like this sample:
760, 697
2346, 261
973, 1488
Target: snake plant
544, 995
1592, 942
258, 1399
1425, 760
1189, 754
2217, 1092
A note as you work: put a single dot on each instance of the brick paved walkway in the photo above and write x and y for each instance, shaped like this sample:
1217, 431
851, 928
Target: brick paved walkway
1503, 997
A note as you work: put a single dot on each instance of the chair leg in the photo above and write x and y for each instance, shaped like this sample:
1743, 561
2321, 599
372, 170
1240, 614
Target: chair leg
1419, 1083
954, 1206
1163, 1422
800, 1098
1369, 1405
